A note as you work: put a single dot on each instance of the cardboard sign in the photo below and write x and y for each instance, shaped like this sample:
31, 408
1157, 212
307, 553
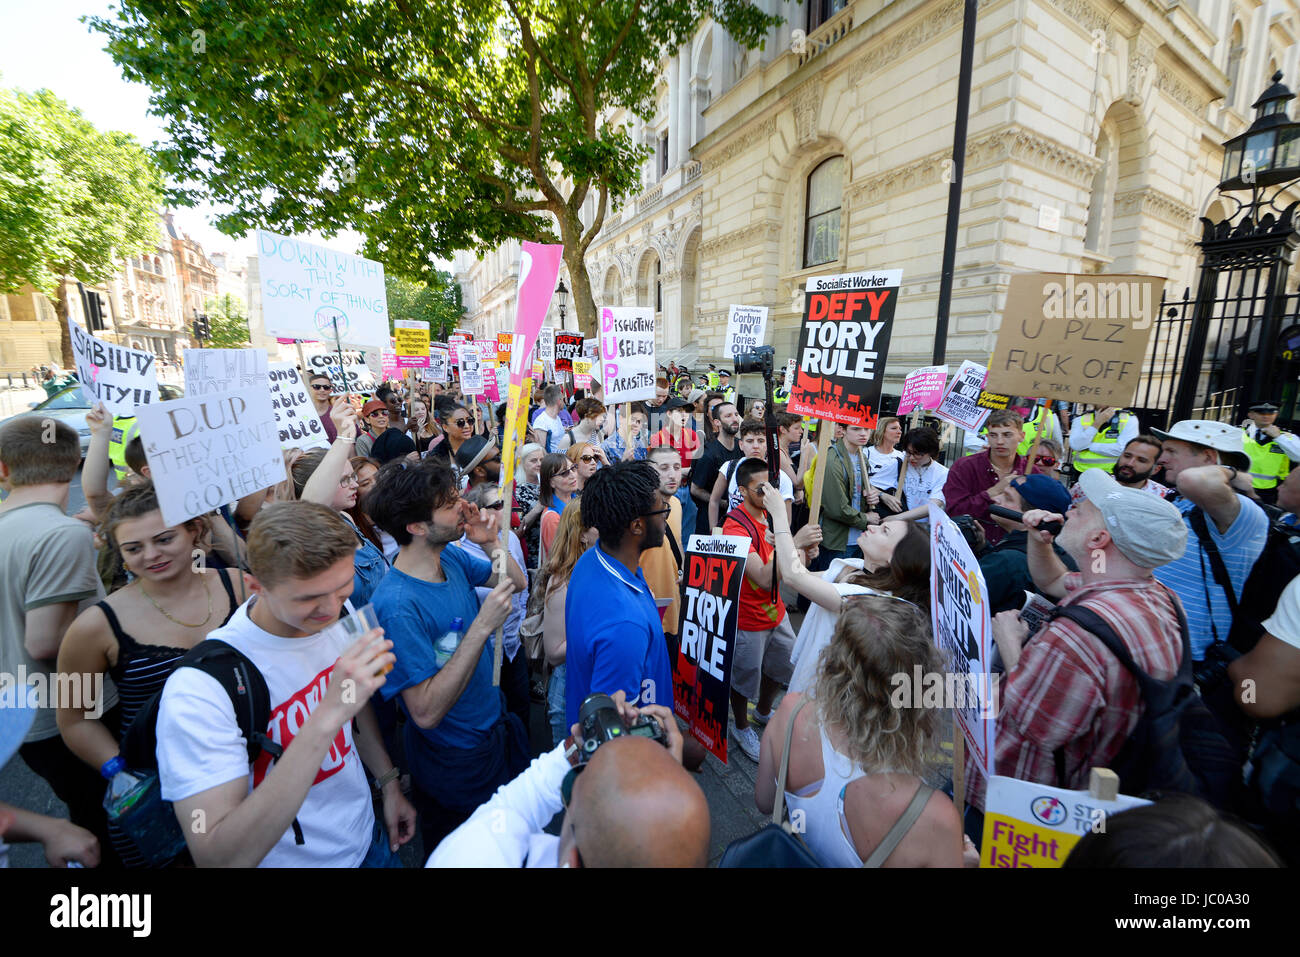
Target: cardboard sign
963, 632
627, 353
355, 376
296, 418
411, 343
745, 328
471, 371
1033, 825
568, 346
438, 370
960, 404
312, 292
121, 378
221, 370
923, 388
1081, 338
546, 344
843, 346
714, 569
582, 373
208, 451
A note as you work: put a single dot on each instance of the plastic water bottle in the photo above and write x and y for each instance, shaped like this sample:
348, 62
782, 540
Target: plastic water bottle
134, 803
445, 646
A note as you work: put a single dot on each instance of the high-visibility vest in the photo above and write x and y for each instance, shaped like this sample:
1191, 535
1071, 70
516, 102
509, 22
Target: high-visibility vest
1032, 427
125, 428
1268, 463
714, 381
729, 395
1088, 459
780, 395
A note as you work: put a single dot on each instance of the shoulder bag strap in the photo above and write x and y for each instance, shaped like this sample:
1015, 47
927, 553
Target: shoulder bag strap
778, 807
672, 543
901, 827
1200, 525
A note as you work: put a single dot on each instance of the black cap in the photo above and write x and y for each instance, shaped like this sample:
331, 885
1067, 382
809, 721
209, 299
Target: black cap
674, 402
725, 372
1263, 407
469, 449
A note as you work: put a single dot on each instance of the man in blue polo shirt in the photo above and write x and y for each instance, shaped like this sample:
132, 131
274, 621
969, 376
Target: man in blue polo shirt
615, 640
461, 742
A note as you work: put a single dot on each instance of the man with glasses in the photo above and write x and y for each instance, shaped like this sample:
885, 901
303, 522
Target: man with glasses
923, 478
618, 643
322, 396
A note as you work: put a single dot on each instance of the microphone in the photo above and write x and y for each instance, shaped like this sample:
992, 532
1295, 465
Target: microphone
1052, 528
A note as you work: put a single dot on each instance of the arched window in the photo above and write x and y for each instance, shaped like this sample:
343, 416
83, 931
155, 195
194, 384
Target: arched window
1097, 238
1236, 51
659, 288
821, 243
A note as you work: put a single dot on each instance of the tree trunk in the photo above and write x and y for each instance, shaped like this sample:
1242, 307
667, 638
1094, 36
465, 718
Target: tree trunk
68, 361
584, 304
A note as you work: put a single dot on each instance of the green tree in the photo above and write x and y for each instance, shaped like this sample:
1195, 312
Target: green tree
227, 322
427, 127
438, 304
74, 201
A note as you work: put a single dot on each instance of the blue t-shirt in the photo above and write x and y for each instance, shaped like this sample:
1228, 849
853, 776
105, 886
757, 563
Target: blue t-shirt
615, 639
1192, 578
414, 614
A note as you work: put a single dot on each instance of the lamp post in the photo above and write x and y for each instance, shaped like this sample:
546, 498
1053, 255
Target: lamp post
562, 294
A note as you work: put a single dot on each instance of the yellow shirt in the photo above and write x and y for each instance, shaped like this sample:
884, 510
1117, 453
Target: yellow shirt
660, 568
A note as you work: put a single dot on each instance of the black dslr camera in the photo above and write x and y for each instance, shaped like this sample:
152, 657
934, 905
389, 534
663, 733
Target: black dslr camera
761, 359
601, 722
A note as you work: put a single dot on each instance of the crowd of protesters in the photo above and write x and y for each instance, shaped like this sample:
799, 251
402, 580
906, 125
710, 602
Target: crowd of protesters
367, 593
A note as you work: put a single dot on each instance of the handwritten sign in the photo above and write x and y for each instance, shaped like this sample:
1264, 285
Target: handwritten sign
208, 451
355, 376
1080, 338
312, 292
221, 370
745, 328
923, 388
121, 378
960, 404
627, 353
295, 416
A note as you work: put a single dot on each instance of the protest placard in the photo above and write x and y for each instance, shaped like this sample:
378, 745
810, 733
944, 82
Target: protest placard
568, 346
582, 373
714, 569
388, 368
843, 346
411, 343
355, 376
546, 344
504, 340
963, 634
923, 388
296, 418
745, 328
992, 400
1034, 825
117, 376
211, 450
221, 370
788, 383
309, 291
1080, 338
627, 353
437, 370
960, 404
454, 343
471, 371
487, 356
591, 348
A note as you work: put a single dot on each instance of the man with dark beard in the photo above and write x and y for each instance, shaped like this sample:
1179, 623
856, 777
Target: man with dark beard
1136, 465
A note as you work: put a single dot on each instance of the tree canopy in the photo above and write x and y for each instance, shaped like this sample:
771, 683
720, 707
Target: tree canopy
227, 322
427, 127
438, 304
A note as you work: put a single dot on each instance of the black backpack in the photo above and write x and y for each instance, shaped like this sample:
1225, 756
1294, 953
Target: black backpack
248, 694
1177, 744
1277, 564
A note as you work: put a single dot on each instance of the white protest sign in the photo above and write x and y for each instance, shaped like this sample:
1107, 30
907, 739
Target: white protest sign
208, 451
627, 353
546, 344
121, 378
296, 417
591, 348
221, 370
959, 402
788, 382
963, 633
309, 291
471, 371
745, 328
438, 368
359, 376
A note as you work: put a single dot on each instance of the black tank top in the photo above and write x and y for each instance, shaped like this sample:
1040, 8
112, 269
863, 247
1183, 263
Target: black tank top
142, 670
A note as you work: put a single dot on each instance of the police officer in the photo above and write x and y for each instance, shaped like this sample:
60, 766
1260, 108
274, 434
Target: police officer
1270, 449
1040, 422
1098, 438
125, 428
724, 386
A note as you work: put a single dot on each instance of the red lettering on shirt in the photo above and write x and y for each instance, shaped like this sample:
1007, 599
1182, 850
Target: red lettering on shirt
287, 719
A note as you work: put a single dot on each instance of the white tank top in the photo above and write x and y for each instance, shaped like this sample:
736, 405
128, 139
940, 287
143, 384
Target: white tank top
826, 829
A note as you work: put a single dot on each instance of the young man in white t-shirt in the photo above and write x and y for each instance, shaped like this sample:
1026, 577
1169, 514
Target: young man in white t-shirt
547, 427
237, 814
753, 445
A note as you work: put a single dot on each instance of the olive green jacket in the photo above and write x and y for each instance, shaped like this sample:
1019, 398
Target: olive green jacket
838, 515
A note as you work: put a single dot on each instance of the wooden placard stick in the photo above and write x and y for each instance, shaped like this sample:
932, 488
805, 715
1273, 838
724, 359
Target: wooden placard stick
825, 430
958, 766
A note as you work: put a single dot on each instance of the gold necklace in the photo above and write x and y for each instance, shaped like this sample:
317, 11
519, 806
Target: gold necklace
183, 624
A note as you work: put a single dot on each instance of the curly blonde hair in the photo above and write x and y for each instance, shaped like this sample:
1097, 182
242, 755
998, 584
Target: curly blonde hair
876, 638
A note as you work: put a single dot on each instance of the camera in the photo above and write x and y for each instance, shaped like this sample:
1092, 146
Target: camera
600, 721
761, 359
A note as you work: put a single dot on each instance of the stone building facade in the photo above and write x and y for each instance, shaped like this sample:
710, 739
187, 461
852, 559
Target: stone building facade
1094, 145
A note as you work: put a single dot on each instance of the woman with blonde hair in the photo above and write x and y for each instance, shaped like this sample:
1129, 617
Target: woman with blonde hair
588, 458
859, 756
885, 463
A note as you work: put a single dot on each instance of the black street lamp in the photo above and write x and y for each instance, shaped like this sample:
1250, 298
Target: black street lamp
1268, 152
562, 294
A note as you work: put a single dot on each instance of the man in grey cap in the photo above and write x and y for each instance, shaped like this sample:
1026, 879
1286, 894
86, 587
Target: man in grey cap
1063, 690
1271, 451
1204, 461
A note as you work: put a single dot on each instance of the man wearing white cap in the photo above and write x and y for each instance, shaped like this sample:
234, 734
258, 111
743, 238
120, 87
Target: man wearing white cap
1204, 461
1063, 690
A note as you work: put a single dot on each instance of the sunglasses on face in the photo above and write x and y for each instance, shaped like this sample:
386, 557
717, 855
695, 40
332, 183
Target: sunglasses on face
379, 412
565, 471
1046, 461
588, 458
498, 505
324, 388
460, 423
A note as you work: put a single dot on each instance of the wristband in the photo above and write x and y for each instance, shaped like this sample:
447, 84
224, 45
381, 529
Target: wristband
386, 778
